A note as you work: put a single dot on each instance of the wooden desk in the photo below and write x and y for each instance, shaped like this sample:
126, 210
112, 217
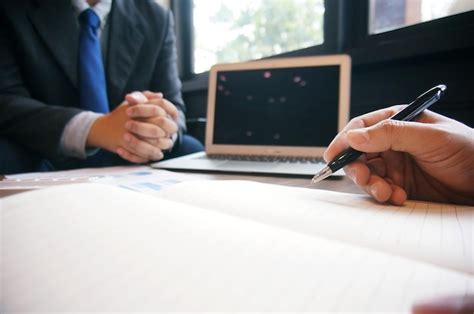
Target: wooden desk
333, 183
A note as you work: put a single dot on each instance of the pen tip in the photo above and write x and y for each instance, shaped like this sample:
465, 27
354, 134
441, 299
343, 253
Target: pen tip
321, 175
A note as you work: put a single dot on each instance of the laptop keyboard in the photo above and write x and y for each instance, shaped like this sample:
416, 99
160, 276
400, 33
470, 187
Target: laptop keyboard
280, 159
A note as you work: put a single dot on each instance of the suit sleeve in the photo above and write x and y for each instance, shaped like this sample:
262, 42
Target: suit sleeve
165, 77
23, 119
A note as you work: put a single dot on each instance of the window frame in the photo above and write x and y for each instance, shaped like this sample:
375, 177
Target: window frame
428, 37
346, 30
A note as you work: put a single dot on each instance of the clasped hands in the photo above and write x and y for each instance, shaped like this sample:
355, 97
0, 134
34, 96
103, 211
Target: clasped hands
139, 130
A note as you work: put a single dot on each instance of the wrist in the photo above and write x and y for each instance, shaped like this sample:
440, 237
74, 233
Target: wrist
96, 132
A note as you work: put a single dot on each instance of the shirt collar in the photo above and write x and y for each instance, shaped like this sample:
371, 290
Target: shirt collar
102, 9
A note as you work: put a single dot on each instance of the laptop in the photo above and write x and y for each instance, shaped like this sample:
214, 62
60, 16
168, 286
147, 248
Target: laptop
273, 116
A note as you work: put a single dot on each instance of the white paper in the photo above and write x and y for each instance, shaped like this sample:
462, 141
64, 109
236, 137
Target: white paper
126, 251
137, 178
433, 233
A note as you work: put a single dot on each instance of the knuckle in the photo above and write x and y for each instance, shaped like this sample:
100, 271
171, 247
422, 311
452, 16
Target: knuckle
135, 160
441, 134
165, 143
161, 111
137, 147
155, 111
396, 108
132, 126
160, 121
392, 130
153, 142
124, 154
157, 154
144, 151
175, 128
157, 102
130, 157
137, 111
155, 132
161, 132
355, 123
133, 142
354, 120
390, 126
151, 120
350, 172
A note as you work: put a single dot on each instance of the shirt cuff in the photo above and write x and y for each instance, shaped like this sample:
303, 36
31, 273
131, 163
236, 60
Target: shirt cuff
74, 137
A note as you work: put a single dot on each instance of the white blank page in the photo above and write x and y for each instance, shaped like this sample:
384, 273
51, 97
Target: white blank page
98, 248
434, 233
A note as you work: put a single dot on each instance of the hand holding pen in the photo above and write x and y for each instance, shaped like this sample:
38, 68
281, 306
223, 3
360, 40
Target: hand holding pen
430, 159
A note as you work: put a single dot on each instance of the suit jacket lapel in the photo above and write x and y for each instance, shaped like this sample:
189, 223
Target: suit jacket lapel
124, 43
56, 24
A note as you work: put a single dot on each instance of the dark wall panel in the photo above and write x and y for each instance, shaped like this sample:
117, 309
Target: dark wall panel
380, 85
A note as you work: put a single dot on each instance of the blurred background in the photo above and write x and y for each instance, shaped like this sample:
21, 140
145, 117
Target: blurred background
399, 48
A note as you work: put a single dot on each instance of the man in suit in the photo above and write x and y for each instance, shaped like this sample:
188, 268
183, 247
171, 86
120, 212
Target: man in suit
68, 72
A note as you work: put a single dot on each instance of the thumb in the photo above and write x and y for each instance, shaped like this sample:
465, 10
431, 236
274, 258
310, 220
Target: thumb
410, 137
136, 98
152, 95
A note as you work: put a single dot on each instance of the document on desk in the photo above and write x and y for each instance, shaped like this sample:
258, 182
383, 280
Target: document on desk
228, 246
137, 178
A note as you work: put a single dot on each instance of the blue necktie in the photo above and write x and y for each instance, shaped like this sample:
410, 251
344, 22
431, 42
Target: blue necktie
92, 88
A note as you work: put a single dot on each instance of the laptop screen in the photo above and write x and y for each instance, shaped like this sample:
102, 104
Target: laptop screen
277, 107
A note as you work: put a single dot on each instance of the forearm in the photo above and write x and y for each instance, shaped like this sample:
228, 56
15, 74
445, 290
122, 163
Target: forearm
34, 124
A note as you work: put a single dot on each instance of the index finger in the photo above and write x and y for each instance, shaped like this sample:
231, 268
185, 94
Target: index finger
339, 143
170, 109
145, 111
373, 117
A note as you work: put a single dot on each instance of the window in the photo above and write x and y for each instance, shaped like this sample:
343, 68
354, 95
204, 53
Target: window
389, 15
231, 31
219, 31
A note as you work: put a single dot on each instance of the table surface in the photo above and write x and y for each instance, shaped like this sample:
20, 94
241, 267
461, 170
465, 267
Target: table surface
340, 184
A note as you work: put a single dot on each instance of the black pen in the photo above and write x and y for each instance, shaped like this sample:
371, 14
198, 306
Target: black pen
409, 113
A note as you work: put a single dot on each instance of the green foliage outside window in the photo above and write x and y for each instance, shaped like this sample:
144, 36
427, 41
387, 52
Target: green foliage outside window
261, 28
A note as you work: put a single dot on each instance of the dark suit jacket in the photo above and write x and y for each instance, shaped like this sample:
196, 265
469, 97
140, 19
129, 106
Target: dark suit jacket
39, 42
